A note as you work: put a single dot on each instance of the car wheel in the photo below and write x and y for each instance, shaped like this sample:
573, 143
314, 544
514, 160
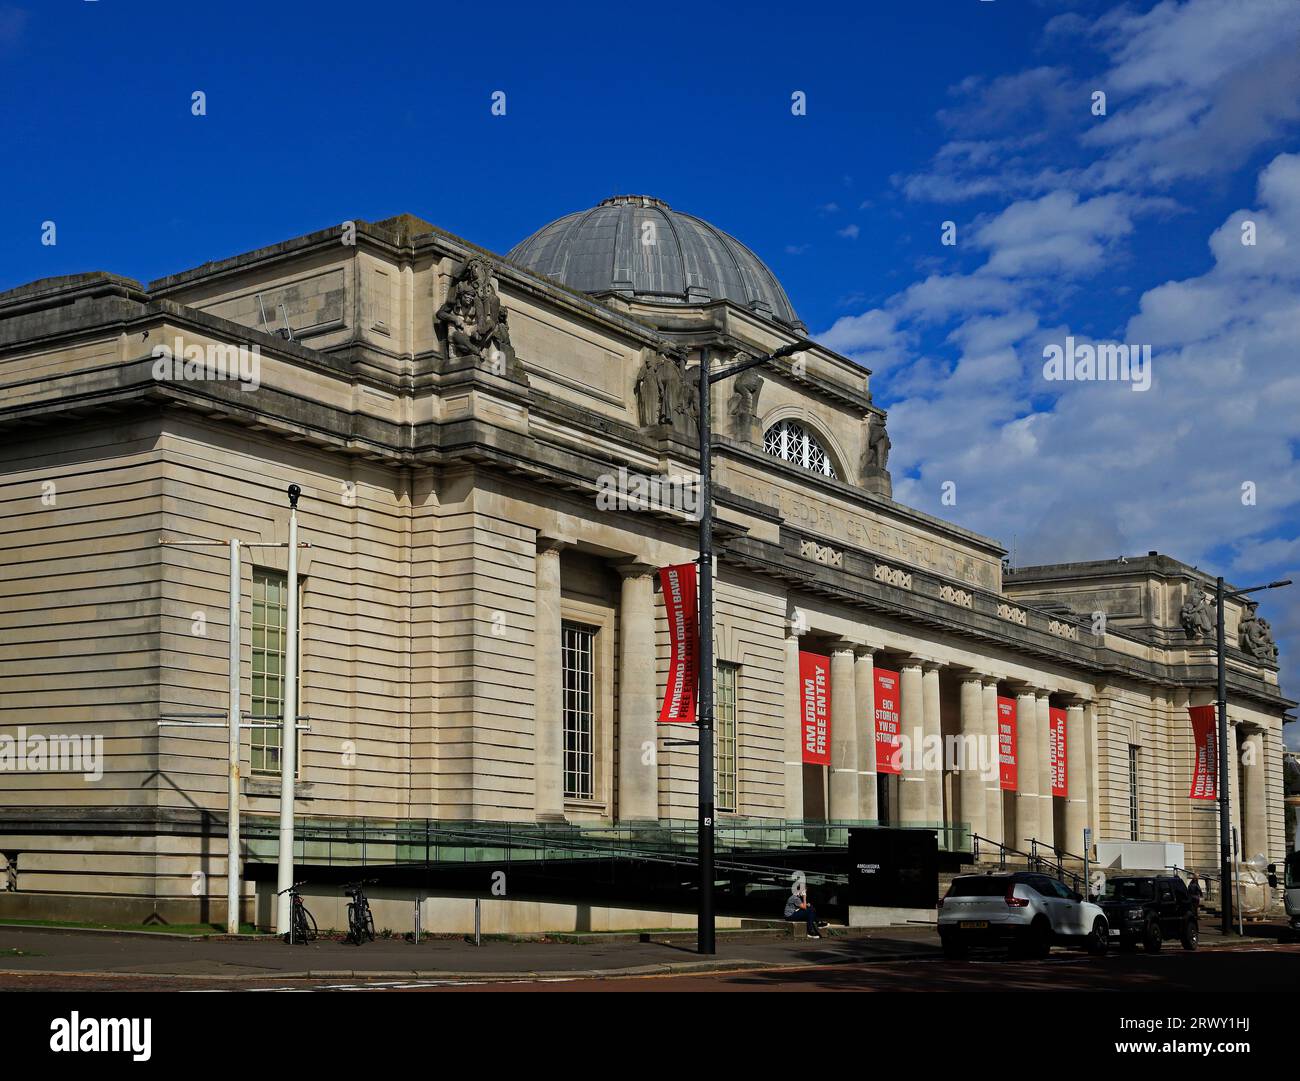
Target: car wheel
1038, 942
1153, 939
1099, 941
1191, 934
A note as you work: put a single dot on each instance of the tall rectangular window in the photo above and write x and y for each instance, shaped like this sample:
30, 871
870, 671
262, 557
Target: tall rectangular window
270, 626
724, 716
1133, 828
578, 675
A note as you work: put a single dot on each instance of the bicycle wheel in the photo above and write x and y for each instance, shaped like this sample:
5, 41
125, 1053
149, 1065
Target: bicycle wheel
354, 925
369, 924
309, 928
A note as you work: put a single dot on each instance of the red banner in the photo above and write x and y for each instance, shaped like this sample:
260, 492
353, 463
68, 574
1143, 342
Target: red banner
1205, 736
1056, 750
888, 721
1007, 743
681, 605
815, 699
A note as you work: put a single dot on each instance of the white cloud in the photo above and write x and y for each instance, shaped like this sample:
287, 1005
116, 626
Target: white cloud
1093, 470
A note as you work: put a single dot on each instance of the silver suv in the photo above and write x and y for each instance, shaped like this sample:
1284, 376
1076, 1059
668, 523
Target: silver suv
1028, 911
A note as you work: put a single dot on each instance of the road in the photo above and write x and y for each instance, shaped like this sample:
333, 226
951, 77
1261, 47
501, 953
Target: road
1255, 967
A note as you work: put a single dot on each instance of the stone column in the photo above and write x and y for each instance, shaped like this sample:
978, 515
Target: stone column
933, 745
1255, 811
793, 732
911, 787
1077, 753
638, 772
993, 784
1027, 821
973, 810
549, 720
845, 723
864, 686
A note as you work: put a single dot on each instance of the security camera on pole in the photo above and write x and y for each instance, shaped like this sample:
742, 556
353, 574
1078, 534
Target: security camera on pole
289, 726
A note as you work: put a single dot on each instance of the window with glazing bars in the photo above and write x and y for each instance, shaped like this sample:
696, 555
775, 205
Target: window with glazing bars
1133, 829
270, 618
724, 719
577, 665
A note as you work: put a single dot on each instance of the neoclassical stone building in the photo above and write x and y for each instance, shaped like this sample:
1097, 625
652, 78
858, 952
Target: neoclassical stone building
483, 638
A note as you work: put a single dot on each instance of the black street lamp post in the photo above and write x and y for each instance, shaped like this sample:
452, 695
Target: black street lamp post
1225, 812
706, 943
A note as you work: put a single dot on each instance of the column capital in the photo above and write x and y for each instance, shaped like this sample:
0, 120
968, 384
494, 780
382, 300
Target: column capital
633, 569
865, 651
551, 544
841, 645
990, 681
929, 664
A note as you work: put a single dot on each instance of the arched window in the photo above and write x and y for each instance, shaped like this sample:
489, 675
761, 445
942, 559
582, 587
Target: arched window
792, 442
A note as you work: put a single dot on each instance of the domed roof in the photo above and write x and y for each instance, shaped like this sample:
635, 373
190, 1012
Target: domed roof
640, 248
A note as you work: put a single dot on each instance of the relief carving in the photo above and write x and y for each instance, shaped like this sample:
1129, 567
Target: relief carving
874, 466
665, 394
742, 406
1255, 636
1198, 614
475, 324
821, 553
956, 596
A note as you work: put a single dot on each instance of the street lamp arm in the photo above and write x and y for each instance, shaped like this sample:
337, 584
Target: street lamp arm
754, 362
1256, 589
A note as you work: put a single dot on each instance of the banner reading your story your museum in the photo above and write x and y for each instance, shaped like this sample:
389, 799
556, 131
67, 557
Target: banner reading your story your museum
888, 721
1205, 767
682, 608
1008, 773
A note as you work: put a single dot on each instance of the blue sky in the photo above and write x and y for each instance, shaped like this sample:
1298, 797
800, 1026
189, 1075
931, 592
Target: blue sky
1119, 227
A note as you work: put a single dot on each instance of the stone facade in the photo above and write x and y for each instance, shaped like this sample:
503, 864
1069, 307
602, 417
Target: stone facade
452, 503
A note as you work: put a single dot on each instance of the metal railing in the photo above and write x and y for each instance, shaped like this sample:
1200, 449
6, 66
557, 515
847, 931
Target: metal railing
353, 845
332, 842
1033, 860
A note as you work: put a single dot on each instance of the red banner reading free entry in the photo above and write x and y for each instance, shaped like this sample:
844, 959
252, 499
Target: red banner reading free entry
815, 700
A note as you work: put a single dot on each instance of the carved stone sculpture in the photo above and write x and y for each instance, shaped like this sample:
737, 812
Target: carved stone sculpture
874, 466
742, 406
876, 456
1197, 614
1255, 636
667, 395
475, 323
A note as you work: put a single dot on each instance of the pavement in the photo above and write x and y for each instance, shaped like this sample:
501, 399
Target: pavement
42, 951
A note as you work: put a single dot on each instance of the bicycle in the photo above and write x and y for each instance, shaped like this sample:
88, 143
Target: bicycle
361, 924
302, 924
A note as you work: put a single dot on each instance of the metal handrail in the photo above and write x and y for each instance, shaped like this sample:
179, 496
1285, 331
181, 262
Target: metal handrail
1033, 861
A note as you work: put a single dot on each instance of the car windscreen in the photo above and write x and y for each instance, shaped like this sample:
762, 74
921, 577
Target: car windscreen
1293, 871
1129, 889
978, 887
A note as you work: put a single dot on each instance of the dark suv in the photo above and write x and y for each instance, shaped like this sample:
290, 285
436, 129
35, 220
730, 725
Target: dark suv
1149, 909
